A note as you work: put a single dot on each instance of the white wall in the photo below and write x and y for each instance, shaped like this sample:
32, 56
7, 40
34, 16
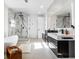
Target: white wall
46, 18
51, 22
41, 26
32, 26
36, 26
6, 21
73, 12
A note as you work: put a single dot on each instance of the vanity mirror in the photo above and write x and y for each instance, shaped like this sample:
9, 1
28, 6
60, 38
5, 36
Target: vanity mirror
63, 21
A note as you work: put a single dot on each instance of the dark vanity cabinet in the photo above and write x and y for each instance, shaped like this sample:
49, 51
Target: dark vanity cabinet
61, 48
66, 48
52, 43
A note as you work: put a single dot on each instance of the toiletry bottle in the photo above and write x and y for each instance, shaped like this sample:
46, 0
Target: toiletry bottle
66, 32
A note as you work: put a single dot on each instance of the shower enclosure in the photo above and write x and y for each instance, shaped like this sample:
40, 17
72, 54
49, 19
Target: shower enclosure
26, 26
21, 27
18, 24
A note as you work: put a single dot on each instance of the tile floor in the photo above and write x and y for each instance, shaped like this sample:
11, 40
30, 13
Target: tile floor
39, 50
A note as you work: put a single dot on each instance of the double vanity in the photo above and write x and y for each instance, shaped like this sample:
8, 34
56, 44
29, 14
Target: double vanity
62, 45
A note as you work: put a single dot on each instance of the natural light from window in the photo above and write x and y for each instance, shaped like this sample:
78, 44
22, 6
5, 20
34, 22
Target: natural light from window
38, 45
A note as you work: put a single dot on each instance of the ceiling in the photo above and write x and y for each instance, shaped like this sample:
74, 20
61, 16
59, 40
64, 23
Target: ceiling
31, 7
60, 7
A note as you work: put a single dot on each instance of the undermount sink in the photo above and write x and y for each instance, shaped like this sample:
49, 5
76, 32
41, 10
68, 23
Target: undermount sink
67, 37
53, 31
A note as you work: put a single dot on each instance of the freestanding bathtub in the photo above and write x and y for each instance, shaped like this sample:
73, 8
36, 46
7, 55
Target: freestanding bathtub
10, 41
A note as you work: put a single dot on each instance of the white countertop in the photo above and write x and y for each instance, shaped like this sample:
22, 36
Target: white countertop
53, 35
58, 36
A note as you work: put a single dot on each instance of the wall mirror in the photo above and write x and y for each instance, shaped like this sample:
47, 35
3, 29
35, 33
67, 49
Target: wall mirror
63, 21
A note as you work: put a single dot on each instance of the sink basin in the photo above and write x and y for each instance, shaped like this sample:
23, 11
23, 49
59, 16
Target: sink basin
53, 31
67, 37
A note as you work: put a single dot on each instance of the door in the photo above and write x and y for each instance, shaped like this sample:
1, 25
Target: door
36, 26
32, 26
41, 26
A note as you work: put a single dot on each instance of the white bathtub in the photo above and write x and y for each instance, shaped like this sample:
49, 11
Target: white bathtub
10, 41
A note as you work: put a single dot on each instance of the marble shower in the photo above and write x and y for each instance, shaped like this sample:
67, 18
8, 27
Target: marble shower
18, 24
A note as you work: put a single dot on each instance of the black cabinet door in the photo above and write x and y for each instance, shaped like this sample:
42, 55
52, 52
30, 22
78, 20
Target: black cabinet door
71, 48
66, 48
63, 48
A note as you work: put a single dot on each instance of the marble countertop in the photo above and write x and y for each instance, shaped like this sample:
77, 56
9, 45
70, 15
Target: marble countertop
58, 36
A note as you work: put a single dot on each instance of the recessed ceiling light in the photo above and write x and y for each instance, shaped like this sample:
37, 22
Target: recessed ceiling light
41, 6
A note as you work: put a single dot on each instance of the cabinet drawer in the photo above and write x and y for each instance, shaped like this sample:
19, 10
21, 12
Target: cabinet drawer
63, 48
